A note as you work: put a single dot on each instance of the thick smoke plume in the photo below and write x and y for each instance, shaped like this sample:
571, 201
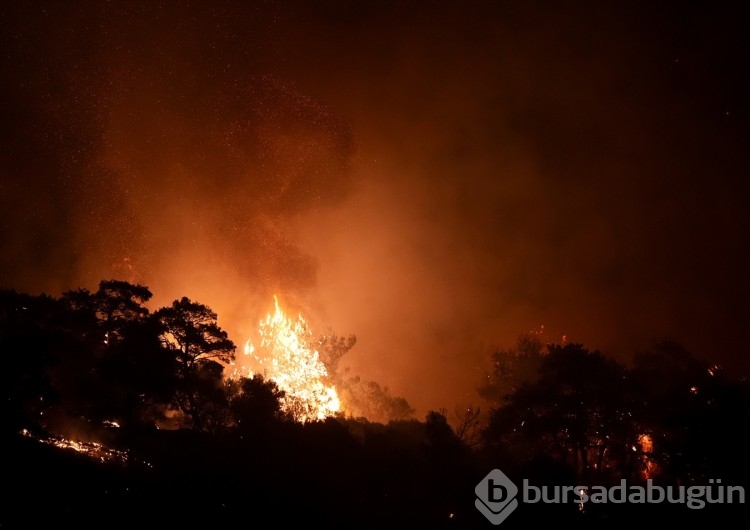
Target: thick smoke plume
436, 178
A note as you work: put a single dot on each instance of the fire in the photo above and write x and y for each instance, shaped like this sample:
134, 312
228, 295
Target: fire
284, 355
646, 443
93, 450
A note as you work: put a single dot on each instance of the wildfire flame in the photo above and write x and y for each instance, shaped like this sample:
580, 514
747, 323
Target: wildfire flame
284, 356
93, 450
650, 468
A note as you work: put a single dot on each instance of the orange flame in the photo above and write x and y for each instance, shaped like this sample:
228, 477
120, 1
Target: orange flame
284, 356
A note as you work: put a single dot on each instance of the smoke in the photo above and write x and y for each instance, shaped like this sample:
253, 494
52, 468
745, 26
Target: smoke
436, 179
526, 167
174, 157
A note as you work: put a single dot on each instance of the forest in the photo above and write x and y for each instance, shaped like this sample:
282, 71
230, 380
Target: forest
112, 412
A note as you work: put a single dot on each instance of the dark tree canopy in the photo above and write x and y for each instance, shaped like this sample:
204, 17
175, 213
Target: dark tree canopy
256, 402
190, 329
512, 367
670, 417
120, 300
100, 365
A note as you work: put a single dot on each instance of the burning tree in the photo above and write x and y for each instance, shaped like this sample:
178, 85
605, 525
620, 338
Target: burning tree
285, 356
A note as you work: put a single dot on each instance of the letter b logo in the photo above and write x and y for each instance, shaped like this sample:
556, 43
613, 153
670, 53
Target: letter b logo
497, 492
496, 496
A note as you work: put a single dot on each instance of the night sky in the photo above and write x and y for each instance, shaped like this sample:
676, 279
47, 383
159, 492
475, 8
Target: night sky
434, 177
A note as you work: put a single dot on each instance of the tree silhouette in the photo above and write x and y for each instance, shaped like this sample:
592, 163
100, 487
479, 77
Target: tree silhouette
467, 428
255, 403
114, 304
118, 300
579, 408
28, 328
513, 367
567, 415
190, 332
123, 373
137, 376
693, 411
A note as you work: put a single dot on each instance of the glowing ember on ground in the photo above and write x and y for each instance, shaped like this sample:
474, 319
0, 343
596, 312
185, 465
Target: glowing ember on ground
91, 449
646, 442
650, 467
284, 355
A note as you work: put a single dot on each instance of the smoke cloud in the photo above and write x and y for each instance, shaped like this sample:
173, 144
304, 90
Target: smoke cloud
436, 178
